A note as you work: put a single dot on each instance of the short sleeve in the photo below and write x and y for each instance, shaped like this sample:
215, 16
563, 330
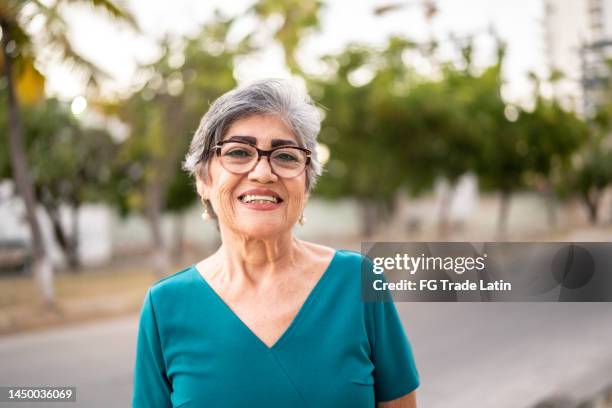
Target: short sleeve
152, 389
395, 373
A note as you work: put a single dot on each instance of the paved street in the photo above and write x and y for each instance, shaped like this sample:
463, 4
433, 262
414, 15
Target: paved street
508, 355
97, 358
469, 354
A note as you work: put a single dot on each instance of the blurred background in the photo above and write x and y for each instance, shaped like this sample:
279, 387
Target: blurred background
479, 120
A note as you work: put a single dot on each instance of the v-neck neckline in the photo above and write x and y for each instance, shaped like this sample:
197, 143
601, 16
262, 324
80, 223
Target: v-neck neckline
293, 322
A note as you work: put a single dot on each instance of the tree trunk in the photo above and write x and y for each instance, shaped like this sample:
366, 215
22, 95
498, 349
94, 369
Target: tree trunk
161, 261
58, 229
42, 268
73, 243
502, 218
68, 243
592, 203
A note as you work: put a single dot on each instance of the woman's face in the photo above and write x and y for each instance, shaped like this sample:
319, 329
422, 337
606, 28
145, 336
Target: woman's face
226, 190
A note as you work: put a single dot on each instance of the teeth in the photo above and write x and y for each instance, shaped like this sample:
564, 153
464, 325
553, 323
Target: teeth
259, 199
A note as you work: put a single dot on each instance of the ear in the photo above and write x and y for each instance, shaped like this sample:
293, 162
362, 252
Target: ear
203, 188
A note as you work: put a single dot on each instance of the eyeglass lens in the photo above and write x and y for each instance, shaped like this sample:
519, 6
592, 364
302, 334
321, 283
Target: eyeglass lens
242, 158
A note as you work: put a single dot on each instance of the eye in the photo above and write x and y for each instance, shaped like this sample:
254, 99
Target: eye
286, 156
238, 152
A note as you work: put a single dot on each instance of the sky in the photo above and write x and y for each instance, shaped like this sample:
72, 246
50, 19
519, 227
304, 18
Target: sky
118, 50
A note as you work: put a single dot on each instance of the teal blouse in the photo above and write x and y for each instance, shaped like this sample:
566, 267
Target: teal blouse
193, 351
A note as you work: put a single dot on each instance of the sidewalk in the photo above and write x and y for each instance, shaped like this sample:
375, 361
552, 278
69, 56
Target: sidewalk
88, 295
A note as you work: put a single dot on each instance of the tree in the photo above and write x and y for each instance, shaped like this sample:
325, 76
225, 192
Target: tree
162, 117
446, 116
402, 131
593, 171
71, 164
553, 137
390, 129
592, 176
299, 17
19, 55
373, 152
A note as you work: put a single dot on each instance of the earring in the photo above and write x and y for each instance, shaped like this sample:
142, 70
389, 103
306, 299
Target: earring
205, 214
302, 219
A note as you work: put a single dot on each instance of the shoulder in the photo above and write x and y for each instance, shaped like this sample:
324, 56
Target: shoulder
348, 266
172, 285
349, 258
174, 293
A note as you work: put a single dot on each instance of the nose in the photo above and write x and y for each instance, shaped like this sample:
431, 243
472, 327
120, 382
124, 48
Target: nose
262, 172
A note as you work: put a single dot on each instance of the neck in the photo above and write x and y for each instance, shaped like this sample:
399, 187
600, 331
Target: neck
255, 259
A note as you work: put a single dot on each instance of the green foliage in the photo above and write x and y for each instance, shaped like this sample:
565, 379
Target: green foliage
70, 164
387, 127
553, 135
15, 16
353, 133
592, 171
594, 174
299, 17
591, 175
400, 130
164, 114
181, 192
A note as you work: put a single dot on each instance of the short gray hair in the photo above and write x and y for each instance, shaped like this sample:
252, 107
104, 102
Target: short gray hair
265, 97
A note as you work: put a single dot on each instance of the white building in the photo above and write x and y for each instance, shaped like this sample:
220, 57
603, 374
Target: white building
570, 26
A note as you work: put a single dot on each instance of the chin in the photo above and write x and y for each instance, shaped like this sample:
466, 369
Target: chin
261, 228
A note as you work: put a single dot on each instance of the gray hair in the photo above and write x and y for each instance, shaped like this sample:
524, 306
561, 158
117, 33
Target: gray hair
265, 97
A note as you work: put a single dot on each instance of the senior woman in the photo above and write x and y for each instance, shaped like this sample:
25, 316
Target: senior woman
268, 320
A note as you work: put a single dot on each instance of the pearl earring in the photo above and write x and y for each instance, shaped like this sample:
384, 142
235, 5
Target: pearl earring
302, 219
205, 213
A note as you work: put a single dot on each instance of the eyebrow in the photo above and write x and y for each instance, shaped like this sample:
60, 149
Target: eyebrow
253, 140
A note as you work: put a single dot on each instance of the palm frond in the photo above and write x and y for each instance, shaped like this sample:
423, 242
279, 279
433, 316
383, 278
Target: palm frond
115, 9
71, 56
21, 39
55, 44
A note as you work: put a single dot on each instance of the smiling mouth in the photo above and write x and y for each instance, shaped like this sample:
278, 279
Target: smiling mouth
260, 199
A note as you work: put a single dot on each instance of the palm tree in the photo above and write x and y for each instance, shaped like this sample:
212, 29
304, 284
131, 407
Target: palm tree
19, 51
299, 17
429, 7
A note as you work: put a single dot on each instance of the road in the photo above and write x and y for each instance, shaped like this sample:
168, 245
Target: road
508, 354
97, 358
468, 354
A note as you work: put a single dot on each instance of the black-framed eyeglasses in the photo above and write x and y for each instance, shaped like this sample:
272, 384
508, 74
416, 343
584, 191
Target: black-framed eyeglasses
241, 157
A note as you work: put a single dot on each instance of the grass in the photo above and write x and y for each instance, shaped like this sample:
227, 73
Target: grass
80, 297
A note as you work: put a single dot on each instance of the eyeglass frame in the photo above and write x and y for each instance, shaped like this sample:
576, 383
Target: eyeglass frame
264, 153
